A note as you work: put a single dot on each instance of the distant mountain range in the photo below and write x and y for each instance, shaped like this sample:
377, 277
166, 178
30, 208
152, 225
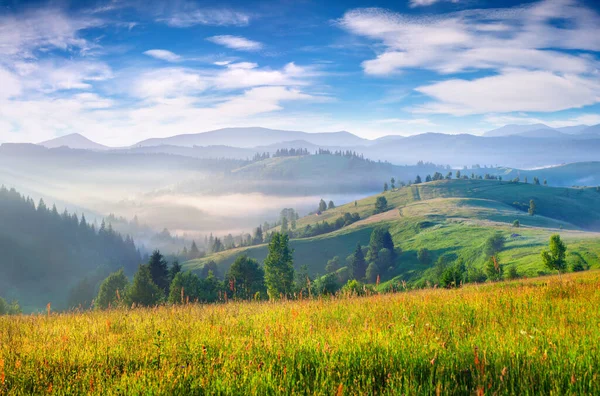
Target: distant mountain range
74, 141
519, 146
253, 137
544, 131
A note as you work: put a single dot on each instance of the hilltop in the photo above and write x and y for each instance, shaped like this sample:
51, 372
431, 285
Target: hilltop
450, 218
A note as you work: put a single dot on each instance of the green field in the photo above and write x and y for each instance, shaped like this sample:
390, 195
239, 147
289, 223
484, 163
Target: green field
527, 337
452, 217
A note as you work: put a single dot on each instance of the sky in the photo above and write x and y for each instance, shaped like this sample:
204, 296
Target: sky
122, 71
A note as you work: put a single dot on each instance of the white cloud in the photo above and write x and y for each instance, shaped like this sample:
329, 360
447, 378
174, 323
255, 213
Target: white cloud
168, 82
163, 55
481, 39
423, 3
190, 15
511, 91
21, 35
11, 86
236, 42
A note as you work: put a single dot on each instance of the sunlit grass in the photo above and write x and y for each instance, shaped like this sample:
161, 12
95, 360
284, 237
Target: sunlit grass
537, 336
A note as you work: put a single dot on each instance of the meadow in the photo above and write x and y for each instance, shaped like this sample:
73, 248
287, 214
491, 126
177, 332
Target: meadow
525, 337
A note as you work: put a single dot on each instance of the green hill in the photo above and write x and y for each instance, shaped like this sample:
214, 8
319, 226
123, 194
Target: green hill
452, 218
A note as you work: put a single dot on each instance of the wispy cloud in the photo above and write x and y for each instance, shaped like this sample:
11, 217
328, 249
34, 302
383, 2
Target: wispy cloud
424, 3
236, 42
190, 15
531, 56
163, 55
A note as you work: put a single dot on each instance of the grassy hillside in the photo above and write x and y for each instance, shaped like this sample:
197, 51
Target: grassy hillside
521, 338
575, 174
433, 216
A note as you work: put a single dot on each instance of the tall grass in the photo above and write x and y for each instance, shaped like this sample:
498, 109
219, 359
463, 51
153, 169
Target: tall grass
525, 337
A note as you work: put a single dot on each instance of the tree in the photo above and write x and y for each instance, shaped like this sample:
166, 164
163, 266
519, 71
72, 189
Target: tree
380, 204
493, 245
247, 278
284, 224
454, 275
143, 291
418, 180
185, 287
322, 206
326, 285
516, 224
555, 258
385, 187
493, 269
380, 239
331, 205
279, 268
372, 273
9, 309
159, 271
393, 183
333, 264
194, 252
458, 174
423, 256
359, 264
112, 290
531, 210
258, 236
174, 270
428, 178
512, 272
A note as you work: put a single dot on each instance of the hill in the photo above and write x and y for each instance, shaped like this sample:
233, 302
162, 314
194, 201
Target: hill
253, 137
74, 141
46, 254
513, 129
450, 218
568, 175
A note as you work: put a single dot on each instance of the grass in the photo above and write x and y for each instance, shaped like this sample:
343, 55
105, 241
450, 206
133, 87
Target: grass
444, 224
526, 337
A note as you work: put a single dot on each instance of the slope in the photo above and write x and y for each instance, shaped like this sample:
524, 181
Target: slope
450, 218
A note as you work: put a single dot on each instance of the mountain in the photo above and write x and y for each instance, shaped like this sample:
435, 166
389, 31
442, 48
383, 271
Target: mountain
74, 141
513, 129
254, 136
544, 133
593, 130
573, 130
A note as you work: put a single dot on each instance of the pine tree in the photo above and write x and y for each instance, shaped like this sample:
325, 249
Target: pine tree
531, 210
247, 278
322, 206
174, 270
194, 252
279, 269
418, 180
359, 264
143, 291
159, 271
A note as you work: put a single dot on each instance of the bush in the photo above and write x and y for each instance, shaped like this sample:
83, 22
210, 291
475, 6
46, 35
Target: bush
9, 309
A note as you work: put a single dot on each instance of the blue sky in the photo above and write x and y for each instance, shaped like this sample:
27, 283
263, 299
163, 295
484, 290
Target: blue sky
122, 71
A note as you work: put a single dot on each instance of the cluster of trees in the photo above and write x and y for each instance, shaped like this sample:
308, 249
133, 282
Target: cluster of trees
371, 265
292, 152
323, 206
325, 227
530, 208
156, 282
45, 252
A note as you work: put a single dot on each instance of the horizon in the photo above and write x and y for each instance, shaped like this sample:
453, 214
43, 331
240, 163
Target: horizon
119, 72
